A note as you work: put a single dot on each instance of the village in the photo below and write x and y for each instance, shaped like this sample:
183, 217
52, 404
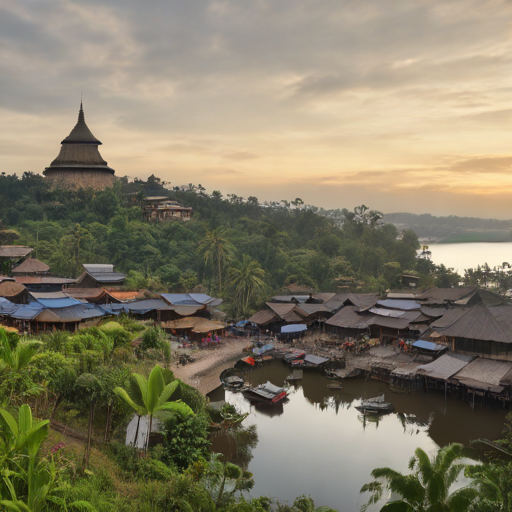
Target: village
457, 340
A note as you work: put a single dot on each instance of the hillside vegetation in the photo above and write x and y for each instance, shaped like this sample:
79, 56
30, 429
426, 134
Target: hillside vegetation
236, 248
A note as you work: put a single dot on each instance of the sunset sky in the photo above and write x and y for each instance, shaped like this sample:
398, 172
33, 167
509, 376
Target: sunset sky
400, 105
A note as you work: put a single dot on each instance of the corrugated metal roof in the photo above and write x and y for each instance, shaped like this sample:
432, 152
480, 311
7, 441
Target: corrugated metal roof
28, 312
75, 313
99, 268
405, 305
189, 299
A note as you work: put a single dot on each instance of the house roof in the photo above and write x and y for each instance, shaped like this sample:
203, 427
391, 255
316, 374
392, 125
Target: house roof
7, 307
196, 323
442, 295
288, 312
103, 273
478, 324
311, 309
14, 251
43, 280
484, 374
264, 317
11, 288
76, 313
349, 318
31, 265
363, 300
89, 294
190, 299
445, 366
405, 305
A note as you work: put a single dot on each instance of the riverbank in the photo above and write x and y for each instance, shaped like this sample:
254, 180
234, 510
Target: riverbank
204, 372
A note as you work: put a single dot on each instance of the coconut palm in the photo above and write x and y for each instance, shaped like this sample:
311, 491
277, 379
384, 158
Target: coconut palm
427, 489
149, 397
216, 246
246, 278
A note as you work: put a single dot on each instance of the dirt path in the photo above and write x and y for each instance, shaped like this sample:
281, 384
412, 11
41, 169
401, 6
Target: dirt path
204, 372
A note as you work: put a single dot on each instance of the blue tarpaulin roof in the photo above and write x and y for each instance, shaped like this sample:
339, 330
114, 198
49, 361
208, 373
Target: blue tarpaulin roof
59, 303
28, 312
428, 345
406, 305
139, 307
293, 328
7, 307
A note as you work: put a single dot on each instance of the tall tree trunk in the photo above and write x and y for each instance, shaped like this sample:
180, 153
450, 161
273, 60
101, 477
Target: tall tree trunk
136, 432
149, 431
107, 427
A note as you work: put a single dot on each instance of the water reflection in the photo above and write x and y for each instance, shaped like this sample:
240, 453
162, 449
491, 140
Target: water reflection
319, 444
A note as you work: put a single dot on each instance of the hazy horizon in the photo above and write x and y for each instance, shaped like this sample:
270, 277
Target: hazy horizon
400, 106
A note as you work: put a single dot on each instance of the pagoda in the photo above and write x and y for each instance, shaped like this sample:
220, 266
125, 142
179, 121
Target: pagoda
79, 164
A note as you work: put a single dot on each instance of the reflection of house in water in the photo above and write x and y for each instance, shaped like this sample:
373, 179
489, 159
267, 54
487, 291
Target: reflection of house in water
161, 209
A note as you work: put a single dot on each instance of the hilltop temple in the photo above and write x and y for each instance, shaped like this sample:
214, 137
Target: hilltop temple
79, 164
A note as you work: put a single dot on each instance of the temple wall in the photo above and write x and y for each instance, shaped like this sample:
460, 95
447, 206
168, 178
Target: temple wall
98, 180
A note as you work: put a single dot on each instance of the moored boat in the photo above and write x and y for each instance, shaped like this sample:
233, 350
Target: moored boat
266, 393
376, 405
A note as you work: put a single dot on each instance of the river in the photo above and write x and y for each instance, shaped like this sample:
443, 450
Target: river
319, 444
470, 255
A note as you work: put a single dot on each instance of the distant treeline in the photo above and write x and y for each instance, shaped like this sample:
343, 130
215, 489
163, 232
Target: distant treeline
430, 226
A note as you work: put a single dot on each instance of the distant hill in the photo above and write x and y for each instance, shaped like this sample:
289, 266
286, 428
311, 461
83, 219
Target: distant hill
452, 229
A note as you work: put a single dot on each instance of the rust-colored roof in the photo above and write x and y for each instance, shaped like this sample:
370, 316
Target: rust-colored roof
31, 265
127, 296
10, 289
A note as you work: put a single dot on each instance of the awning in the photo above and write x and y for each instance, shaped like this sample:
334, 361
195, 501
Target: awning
428, 345
293, 328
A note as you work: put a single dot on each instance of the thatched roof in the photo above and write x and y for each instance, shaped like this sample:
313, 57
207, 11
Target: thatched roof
349, 318
288, 312
79, 150
31, 266
81, 133
446, 366
11, 289
363, 300
478, 324
196, 323
264, 317
485, 374
311, 309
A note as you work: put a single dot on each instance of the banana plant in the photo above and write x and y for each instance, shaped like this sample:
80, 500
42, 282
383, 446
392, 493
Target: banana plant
150, 397
24, 472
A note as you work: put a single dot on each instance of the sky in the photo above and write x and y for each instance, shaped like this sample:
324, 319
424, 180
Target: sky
403, 105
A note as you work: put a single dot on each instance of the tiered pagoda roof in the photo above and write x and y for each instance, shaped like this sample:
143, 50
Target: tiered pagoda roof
79, 151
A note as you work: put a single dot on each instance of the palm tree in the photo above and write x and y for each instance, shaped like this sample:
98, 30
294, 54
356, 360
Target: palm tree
149, 397
246, 278
428, 487
494, 485
13, 364
216, 246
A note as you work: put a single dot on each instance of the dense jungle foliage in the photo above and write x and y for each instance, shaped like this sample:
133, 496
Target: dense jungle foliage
87, 386
235, 248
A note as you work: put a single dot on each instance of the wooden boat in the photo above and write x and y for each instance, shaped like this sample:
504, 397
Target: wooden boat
232, 378
265, 393
295, 375
376, 405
